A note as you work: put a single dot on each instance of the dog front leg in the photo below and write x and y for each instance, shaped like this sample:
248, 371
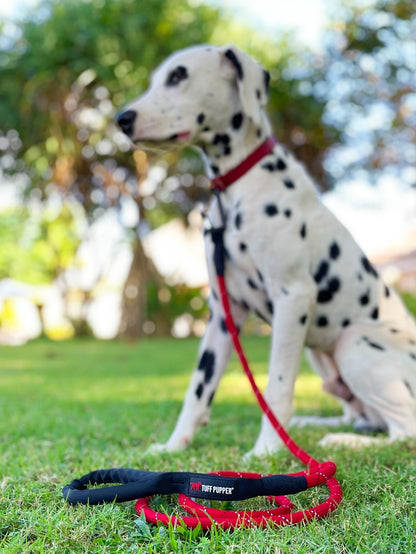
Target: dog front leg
214, 354
291, 317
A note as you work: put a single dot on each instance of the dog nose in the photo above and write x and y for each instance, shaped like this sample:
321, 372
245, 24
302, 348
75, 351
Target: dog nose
126, 121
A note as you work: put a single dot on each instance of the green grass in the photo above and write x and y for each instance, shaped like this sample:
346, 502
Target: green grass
69, 408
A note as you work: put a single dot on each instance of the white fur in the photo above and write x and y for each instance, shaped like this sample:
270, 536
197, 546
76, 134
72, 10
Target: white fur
298, 267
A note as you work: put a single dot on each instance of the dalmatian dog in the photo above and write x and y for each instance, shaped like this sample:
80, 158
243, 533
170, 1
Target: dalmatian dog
289, 259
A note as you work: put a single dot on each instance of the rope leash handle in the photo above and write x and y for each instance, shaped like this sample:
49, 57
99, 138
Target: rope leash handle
335, 497
212, 486
143, 484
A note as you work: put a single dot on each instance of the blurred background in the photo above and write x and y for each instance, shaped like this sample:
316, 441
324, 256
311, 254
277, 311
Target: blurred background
98, 240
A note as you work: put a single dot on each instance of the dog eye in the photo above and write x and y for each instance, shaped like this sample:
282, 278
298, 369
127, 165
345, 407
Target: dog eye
176, 76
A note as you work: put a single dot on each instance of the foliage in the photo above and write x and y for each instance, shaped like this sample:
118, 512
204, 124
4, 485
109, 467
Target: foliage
69, 79
67, 67
37, 247
410, 302
71, 408
370, 90
168, 303
63, 84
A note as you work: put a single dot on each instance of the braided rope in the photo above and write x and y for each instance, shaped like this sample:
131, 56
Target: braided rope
316, 474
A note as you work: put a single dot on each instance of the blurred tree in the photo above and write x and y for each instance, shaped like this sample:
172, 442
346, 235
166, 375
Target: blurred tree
370, 90
37, 246
66, 69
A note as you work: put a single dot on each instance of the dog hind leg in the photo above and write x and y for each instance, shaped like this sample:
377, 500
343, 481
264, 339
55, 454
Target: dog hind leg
382, 374
325, 366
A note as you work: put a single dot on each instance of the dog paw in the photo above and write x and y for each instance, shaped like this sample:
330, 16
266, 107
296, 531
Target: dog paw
170, 446
260, 451
349, 439
157, 448
364, 426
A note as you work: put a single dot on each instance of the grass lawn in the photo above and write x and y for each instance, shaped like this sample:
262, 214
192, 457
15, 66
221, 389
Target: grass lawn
69, 408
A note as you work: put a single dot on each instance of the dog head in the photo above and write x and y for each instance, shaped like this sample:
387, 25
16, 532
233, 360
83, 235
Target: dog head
197, 93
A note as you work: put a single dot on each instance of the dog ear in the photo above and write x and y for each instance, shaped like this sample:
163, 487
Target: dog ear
251, 79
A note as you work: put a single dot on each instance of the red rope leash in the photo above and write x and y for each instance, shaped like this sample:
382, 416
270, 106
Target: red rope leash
229, 485
316, 474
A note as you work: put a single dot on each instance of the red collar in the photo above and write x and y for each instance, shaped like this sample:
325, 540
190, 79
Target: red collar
223, 181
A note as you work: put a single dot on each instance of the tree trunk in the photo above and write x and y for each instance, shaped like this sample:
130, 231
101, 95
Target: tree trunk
134, 298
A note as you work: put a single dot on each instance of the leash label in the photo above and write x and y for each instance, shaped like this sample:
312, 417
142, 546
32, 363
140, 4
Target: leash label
213, 487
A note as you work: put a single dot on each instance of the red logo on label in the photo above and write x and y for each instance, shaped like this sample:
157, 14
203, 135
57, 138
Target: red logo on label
196, 486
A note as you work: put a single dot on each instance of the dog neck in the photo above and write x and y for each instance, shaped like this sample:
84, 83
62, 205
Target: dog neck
222, 182
228, 150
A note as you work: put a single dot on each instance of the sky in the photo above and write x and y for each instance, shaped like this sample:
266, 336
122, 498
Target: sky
306, 17
376, 217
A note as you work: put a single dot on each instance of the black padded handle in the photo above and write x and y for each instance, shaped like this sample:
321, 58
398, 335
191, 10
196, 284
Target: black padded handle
140, 484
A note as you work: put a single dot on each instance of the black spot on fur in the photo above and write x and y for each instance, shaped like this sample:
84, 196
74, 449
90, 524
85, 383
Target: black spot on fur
364, 298
322, 321
271, 210
236, 63
321, 272
224, 141
281, 165
211, 398
206, 364
368, 267
413, 356
266, 77
288, 213
373, 344
269, 305
326, 294
409, 388
269, 166
238, 221
394, 331
303, 319
242, 246
177, 75
374, 313
334, 284
245, 305
215, 169
223, 326
237, 121
334, 251
258, 94
345, 322
199, 390
386, 291
201, 118
260, 275
289, 184
260, 315
252, 284
302, 230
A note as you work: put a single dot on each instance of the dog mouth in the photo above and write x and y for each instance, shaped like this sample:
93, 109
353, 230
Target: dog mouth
181, 137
